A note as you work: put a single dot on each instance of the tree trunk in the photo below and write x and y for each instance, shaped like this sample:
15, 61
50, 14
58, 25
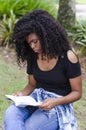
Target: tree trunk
66, 13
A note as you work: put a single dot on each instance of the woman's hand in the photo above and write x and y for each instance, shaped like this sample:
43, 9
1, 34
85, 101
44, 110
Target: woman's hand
48, 104
18, 93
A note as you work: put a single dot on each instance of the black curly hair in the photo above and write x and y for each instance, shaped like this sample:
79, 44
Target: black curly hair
53, 37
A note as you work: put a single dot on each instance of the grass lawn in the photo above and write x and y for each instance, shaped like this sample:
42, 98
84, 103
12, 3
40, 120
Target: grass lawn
13, 79
80, 109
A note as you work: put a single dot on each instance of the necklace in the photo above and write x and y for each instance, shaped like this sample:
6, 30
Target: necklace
45, 58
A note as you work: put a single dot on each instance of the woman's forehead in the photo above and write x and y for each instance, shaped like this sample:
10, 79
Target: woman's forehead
32, 35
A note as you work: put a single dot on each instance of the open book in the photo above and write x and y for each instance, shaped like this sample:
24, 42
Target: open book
23, 100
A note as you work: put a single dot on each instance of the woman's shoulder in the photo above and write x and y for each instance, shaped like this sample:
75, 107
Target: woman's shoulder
72, 57
72, 65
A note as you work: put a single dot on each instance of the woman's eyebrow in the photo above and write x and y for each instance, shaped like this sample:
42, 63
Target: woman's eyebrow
32, 40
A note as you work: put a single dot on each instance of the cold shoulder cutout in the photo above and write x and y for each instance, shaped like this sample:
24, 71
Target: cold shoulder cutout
72, 65
72, 56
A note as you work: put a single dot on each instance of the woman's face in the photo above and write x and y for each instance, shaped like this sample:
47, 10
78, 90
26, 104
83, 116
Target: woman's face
34, 42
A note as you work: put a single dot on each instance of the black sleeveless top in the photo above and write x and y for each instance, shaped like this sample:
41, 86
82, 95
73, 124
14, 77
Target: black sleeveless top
57, 79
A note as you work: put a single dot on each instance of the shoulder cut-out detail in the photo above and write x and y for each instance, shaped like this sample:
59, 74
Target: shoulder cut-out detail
72, 57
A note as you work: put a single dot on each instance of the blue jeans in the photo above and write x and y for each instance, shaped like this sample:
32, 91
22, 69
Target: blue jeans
31, 118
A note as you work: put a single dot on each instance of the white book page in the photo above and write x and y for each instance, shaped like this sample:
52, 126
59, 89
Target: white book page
23, 100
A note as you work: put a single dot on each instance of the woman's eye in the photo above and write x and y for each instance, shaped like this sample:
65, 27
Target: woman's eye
35, 41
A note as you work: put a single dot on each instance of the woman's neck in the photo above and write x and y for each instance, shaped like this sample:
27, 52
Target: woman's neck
43, 57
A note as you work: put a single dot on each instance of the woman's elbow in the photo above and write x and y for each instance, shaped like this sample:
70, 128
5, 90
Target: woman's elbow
79, 95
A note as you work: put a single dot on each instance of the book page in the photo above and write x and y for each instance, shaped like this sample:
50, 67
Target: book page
23, 100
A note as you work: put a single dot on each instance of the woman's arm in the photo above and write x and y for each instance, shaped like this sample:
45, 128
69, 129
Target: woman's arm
28, 88
75, 83
74, 95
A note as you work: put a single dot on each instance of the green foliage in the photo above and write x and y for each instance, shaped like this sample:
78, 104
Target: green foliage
78, 35
12, 10
6, 28
20, 7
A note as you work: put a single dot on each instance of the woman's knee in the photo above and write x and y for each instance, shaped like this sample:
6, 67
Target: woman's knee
10, 117
10, 111
14, 112
40, 121
15, 118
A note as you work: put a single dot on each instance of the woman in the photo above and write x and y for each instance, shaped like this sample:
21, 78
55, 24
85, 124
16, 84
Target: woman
54, 75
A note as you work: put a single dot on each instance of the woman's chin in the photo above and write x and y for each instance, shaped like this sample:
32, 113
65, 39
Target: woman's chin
37, 51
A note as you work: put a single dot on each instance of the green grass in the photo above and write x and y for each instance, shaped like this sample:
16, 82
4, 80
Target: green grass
80, 109
13, 79
81, 1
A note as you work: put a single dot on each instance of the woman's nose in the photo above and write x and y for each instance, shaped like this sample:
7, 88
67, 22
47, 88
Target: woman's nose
32, 45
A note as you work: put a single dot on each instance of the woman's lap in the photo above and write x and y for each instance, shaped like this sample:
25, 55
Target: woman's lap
17, 118
39, 120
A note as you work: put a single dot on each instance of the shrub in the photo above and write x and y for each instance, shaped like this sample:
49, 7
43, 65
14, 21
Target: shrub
78, 35
12, 10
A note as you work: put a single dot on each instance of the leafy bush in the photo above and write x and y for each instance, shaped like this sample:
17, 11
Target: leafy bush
6, 28
12, 10
20, 7
78, 35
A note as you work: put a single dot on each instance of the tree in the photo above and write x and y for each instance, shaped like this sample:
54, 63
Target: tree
66, 13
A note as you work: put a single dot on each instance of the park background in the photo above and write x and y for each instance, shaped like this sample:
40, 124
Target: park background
12, 77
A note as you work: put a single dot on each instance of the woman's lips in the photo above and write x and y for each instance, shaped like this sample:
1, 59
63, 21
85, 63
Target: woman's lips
36, 50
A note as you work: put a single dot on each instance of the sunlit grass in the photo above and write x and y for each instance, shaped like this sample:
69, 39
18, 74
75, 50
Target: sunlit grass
11, 80
80, 109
